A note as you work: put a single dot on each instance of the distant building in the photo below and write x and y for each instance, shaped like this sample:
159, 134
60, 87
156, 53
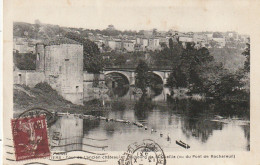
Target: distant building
138, 47
145, 42
115, 44
24, 45
118, 44
233, 35
129, 46
185, 39
112, 44
133, 40
154, 44
200, 38
164, 40
221, 42
138, 40
209, 36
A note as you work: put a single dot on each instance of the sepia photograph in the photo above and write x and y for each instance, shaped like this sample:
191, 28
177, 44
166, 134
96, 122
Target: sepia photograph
144, 80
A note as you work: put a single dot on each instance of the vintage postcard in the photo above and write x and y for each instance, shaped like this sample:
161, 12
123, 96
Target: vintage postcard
131, 82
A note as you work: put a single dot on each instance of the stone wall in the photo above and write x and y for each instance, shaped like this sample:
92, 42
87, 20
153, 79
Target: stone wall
28, 77
91, 89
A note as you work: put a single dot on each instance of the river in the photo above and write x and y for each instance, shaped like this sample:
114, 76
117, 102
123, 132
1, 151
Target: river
205, 125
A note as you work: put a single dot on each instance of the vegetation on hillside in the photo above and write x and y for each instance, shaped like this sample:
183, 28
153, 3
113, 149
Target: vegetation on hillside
44, 96
92, 59
198, 71
25, 61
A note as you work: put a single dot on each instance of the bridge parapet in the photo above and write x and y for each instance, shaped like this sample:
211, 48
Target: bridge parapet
129, 73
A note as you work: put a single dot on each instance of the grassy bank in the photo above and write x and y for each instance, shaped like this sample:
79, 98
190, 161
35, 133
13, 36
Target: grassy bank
43, 96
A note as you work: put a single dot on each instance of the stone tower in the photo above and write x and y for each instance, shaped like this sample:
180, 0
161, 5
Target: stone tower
40, 57
62, 63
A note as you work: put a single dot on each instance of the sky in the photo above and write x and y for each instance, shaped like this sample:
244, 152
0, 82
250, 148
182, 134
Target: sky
185, 15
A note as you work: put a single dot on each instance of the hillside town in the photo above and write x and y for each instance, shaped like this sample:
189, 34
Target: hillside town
144, 40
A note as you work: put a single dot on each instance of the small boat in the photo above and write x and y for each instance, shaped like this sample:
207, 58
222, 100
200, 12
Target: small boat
182, 144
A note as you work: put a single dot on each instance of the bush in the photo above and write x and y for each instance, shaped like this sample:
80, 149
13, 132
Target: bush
25, 61
45, 87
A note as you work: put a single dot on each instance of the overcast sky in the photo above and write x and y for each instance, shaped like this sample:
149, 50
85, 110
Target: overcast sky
216, 15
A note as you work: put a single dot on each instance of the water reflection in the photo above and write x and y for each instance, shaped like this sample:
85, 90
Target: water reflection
142, 106
66, 131
201, 124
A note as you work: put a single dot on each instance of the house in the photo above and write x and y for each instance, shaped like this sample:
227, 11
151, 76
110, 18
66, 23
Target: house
112, 44
145, 42
129, 46
200, 38
138, 40
221, 42
209, 36
185, 39
154, 43
24, 45
118, 44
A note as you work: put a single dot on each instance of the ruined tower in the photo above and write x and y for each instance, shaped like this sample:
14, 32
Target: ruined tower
62, 62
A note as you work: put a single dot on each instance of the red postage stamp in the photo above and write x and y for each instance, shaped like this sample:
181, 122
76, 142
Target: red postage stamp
30, 138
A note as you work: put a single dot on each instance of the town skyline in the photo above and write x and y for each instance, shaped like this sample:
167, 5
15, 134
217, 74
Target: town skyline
140, 16
135, 30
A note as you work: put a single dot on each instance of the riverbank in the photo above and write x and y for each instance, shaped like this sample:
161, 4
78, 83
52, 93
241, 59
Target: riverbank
43, 96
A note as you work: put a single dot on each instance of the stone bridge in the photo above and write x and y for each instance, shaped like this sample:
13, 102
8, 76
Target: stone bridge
129, 73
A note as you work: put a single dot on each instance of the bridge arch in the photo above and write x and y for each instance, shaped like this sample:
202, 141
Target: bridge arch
159, 74
124, 74
163, 74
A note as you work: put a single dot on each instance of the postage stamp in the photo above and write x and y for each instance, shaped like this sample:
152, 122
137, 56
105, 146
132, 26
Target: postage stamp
30, 138
146, 152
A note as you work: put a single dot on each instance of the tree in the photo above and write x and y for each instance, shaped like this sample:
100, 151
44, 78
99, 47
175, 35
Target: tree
177, 79
163, 45
171, 43
246, 53
142, 79
188, 68
93, 60
25, 61
119, 60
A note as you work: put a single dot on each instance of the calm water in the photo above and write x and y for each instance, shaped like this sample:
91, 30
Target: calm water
204, 125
